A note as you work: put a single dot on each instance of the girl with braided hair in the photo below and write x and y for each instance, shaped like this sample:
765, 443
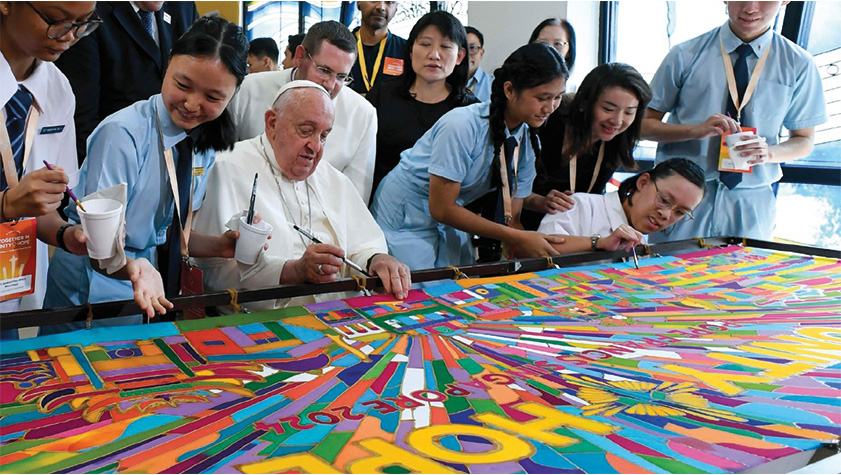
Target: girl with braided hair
420, 203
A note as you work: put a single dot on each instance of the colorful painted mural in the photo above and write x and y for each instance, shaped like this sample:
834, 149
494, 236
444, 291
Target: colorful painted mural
714, 361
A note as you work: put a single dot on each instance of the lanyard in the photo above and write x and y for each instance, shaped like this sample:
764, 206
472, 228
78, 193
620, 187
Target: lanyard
731, 78
9, 167
506, 191
173, 183
283, 201
363, 67
573, 165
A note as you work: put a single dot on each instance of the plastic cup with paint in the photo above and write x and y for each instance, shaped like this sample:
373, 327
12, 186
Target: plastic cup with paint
101, 223
252, 237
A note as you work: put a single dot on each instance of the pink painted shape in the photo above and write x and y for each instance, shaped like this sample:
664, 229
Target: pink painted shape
705, 457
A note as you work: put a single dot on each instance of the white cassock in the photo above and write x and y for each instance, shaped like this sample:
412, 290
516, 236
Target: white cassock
325, 203
351, 146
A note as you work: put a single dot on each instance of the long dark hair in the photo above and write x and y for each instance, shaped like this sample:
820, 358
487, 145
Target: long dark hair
673, 166
450, 27
529, 66
579, 114
215, 37
570, 56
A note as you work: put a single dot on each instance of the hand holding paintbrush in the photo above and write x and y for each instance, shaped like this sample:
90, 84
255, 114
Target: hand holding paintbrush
69, 191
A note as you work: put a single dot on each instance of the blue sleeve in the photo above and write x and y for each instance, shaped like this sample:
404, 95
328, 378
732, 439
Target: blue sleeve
808, 106
204, 161
454, 137
667, 82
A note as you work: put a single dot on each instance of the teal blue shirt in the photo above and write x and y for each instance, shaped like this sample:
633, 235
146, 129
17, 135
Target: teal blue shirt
691, 85
480, 84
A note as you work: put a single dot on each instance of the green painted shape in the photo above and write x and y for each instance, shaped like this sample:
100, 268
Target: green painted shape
242, 319
271, 379
582, 446
221, 445
278, 330
470, 366
97, 355
330, 447
443, 377
378, 368
154, 389
167, 351
21, 466
738, 367
758, 386
20, 445
623, 362
396, 469
672, 466
544, 387
111, 467
485, 405
15, 408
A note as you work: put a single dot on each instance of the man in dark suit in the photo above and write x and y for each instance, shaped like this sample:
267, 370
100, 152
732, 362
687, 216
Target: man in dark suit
124, 60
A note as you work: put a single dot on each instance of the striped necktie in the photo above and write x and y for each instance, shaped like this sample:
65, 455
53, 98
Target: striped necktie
16, 111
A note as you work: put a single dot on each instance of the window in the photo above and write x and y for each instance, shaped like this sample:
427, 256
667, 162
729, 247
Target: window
407, 14
279, 19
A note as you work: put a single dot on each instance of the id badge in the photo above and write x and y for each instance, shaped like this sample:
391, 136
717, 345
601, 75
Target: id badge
18, 258
725, 163
393, 66
191, 284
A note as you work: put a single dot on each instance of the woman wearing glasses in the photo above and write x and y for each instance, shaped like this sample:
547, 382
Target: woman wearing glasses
560, 35
434, 82
647, 202
38, 103
131, 146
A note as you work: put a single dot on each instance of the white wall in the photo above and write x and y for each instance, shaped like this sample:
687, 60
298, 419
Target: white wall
508, 25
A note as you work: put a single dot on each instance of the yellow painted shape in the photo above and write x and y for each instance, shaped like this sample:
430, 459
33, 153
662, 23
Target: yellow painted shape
349, 348
507, 447
805, 433
715, 436
58, 351
301, 463
773, 370
271, 346
69, 365
799, 346
719, 381
821, 333
542, 428
136, 362
387, 455
496, 280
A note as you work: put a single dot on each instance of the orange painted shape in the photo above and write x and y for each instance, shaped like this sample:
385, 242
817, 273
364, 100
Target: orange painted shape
713, 436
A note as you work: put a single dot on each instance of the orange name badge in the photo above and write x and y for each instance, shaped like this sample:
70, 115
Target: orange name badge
18, 255
725, 163
393, 66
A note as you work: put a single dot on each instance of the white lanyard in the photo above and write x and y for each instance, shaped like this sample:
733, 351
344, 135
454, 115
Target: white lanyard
173, 183
283, 201
731, 78
9, 167
506, 191
573, 170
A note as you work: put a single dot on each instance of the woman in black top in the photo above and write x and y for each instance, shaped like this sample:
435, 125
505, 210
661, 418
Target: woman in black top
434, 81
603, 119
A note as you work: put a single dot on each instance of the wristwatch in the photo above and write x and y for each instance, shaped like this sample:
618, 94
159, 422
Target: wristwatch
594, 239
59, 236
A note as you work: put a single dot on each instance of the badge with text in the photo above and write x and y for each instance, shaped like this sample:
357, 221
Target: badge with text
191, 284
393, 66
18, 247
736, 163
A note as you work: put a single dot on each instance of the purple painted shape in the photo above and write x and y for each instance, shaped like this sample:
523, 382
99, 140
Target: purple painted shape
137, 369
301, 350
436, 355
298, 406
171, 340
301, 365
415, 354
325, 306
245, 457
238, 336
346, 425
507, 467
230, 450
187, 410
403, 429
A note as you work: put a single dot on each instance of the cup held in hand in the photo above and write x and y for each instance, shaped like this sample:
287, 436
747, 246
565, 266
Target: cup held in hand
735, 140
252, 237
101, 223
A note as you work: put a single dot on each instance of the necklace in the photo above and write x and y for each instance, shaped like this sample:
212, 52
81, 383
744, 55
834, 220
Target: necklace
280, 195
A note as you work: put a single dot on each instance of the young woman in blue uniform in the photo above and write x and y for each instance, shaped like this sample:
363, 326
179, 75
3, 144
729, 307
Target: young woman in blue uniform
420, 204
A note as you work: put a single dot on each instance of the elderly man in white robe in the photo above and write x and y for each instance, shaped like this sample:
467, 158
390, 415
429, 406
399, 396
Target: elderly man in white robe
294, 189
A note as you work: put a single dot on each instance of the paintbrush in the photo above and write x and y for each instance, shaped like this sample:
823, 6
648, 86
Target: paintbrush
636, 260
347, 261
69, 191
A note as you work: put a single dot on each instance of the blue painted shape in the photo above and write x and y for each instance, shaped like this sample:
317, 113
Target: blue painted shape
333, 393
253, 409
609, 447
429, 376
82, 359
304, 334
250, 328
12, 435
785, 414
548, 457
438, 290
591, 462
802, 444
310, 436
146, 423
450, 442
89, 337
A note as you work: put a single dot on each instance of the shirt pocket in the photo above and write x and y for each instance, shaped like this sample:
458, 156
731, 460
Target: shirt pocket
770, 106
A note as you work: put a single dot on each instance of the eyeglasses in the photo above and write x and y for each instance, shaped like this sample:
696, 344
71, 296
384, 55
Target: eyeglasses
557, 44
474, 48
663, 202
327, 73
58, 28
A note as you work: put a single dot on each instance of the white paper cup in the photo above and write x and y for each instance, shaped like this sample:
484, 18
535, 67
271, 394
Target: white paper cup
101, 223
734, 140
252, 237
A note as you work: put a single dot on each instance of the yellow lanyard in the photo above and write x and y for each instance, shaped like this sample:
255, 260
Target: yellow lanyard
9, 167
173, 183
363, 67
731, 78
573, 163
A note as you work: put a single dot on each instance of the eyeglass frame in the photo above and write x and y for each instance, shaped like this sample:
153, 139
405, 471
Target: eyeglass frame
473, 49
663, 202
91, 24
556, 44
327, 73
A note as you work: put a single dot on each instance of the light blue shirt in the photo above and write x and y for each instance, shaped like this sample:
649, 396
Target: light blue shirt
480, 84
125, 148
691, 85
459, 148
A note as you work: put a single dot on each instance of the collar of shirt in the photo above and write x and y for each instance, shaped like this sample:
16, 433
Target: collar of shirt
615, 214
731, 41
517, 133
171, 132
36, 83
267, 146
